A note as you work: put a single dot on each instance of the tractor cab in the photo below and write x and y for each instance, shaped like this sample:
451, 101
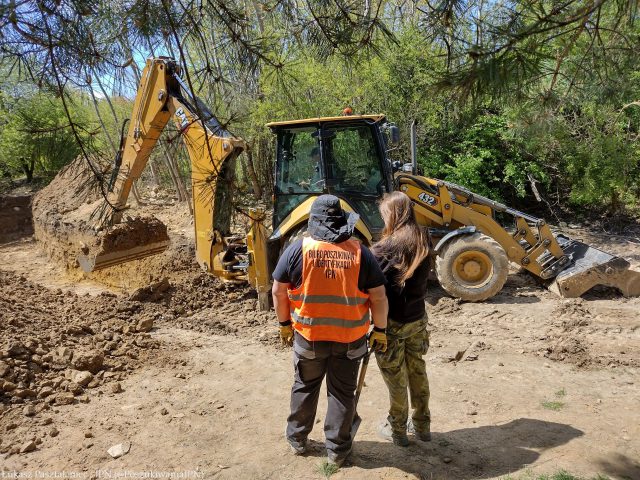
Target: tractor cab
344, 156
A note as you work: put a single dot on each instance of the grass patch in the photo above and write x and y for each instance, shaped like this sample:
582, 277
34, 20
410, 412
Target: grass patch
327, 469
556, 407
561, 393
561, 475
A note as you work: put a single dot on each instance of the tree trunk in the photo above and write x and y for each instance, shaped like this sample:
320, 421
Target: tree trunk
136, 194
257, 190
102, 125
264, 167
172, 174
183, 195
154, 173
28, 167
107, 98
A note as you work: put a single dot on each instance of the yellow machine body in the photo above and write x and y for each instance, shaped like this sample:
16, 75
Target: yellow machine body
345, 156
473, 251
212, 151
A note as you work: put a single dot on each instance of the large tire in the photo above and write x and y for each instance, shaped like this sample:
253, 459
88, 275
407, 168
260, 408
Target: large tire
472, 267
296, 234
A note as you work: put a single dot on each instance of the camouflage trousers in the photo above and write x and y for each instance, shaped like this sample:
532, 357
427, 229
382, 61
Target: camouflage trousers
402, 366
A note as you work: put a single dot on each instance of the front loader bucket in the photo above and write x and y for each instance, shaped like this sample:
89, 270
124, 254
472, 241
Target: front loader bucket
590, 267
132, 240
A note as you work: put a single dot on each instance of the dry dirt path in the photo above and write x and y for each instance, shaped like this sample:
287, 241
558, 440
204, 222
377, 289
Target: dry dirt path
225, 419
216, 404
23, 257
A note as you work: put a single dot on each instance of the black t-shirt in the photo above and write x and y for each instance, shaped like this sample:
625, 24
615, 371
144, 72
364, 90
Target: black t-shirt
289, 268
406, 304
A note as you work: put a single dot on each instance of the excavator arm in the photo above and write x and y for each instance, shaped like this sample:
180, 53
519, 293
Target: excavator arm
161, 96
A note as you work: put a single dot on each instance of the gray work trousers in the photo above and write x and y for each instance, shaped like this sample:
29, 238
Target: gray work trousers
339, 362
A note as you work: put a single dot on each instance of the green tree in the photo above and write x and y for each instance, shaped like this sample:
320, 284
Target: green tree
35, 136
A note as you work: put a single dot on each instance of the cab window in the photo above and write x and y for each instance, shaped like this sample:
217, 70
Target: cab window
299, 169
352, 160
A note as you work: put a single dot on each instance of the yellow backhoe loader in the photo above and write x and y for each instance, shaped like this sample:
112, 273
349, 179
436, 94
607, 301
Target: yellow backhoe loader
163, 95
347, 157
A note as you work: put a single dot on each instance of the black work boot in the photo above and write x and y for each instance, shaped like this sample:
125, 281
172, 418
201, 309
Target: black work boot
298, 447
337, 460
398, 438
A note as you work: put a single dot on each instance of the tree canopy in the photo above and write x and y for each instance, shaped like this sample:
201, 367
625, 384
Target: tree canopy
517, 100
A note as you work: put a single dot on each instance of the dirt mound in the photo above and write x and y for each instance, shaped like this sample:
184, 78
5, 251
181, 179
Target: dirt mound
74, 186
48, 338
571, 315
573, 308
65, 219
134, 232
45, 334
570, 349
198, 301
59, 348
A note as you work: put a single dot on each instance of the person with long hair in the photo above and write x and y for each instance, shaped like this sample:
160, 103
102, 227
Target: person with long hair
402, 254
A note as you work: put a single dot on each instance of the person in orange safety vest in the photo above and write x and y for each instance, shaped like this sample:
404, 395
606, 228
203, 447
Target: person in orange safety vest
327, 290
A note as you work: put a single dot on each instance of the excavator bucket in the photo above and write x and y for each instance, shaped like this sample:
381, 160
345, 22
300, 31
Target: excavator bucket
591, 266
131, 240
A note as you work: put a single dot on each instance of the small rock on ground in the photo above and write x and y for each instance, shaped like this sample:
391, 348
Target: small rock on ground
119, 450
27, 447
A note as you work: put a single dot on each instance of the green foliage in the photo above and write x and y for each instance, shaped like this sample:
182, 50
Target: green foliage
484, 156
35, 136
327, 469
588, 150
552, 405
507, 95
577, 150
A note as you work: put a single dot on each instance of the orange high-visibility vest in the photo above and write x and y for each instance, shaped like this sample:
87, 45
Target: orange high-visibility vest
328, 306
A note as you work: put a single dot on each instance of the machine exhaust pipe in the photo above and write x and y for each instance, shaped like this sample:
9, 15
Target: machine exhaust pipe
414, 148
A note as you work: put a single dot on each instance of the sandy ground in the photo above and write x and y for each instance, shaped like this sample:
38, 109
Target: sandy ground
225, 419
541, 383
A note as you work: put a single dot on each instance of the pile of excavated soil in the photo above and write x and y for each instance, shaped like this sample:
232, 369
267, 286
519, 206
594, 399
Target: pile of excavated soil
65, 219
48, 337
73, 189
59, 348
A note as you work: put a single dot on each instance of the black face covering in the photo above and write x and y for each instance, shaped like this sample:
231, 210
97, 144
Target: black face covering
328, 222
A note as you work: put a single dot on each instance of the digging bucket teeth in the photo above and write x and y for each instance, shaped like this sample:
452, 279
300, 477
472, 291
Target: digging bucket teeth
130, 240
101, 260
591, 266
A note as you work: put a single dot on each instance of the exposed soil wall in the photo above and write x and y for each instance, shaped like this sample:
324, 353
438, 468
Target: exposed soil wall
62, 211
15, 217
65, 219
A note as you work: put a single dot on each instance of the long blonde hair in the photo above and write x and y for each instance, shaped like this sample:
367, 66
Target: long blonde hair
404, 244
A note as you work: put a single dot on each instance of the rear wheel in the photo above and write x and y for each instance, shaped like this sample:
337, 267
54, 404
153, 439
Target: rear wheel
296, 234
472, 267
